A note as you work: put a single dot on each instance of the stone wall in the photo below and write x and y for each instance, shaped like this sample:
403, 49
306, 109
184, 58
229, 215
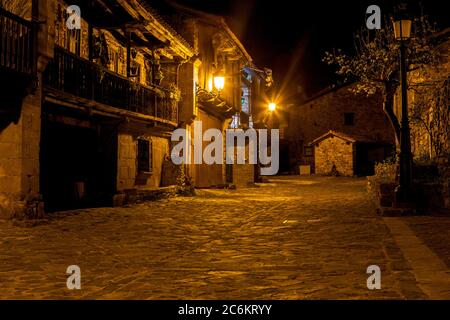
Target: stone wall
19, 157
337, 152
20, 137
243, 175
127, 175
423, 104
326, 112
209, 175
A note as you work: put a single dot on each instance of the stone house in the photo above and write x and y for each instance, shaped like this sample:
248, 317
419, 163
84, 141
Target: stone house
339, 110
336, 153
94, 129
219, 53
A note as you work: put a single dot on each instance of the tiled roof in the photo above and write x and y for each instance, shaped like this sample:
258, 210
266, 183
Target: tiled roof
343, 136
161, 20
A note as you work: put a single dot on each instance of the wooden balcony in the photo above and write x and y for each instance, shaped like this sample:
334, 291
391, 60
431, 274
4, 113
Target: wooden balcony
78, 77
17, 47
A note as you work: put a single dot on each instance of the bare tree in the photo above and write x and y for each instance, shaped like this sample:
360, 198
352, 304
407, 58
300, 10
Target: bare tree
430, 113
375, 65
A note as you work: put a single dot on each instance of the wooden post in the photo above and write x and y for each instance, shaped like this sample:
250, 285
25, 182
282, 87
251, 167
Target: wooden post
90, 32
35, 26
128, 34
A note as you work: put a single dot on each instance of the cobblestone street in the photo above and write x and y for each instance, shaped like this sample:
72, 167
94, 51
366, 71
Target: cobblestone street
293, 238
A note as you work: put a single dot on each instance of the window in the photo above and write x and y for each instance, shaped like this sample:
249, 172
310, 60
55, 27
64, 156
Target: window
349, 119
308, 151
144, 156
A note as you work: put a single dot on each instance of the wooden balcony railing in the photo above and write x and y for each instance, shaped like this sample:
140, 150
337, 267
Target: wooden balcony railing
17, 47
71, 74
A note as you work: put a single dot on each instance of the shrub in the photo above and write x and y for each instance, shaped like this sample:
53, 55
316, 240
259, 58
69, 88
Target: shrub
385, 172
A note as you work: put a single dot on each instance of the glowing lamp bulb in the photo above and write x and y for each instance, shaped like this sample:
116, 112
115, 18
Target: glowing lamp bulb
219, 83
272, 106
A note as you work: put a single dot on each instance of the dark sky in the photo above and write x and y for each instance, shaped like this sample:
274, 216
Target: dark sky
291, 37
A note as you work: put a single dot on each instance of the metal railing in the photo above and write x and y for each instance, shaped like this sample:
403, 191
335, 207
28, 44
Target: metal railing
71, 74
17, 47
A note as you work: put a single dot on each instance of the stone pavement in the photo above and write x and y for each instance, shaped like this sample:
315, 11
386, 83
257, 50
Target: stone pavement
294, 238
431, 273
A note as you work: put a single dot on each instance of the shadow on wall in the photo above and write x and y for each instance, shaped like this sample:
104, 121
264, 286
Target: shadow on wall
10, 110
13, 90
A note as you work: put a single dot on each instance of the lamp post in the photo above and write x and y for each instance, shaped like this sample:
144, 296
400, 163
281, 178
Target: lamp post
402, 31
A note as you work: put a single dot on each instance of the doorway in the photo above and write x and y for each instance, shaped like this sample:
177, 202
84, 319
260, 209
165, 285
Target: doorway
78, 165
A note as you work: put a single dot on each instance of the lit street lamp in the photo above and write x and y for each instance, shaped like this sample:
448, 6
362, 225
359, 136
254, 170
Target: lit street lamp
219, 83
402, 32
271, 107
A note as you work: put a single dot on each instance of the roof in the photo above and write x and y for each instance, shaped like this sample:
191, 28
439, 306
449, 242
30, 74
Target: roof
215, 20
326, 91
343, 136
164, 23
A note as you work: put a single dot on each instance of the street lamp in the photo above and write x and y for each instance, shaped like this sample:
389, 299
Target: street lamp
402, 33
219, 82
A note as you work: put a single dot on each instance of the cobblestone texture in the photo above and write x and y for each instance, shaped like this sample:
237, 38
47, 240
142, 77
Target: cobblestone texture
294, 238
434, 231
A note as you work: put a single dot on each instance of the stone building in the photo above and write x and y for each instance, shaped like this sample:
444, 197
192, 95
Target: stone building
87, 111
219, 54
359, 117
24, 52
336, 153
95, 128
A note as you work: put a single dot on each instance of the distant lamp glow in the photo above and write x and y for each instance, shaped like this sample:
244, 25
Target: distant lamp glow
219, 82
210, 84
402, 29
272, 106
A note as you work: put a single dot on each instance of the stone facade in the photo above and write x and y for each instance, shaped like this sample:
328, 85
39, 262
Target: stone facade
106, 132
428, 101
128, 176
243, 175
220, 52
20, 123
337, 153
19, 157
96, 94
340, 110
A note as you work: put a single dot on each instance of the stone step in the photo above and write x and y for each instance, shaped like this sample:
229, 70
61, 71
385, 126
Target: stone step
132, 196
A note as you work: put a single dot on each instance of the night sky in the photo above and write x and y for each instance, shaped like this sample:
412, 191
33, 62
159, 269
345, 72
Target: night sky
291, 37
